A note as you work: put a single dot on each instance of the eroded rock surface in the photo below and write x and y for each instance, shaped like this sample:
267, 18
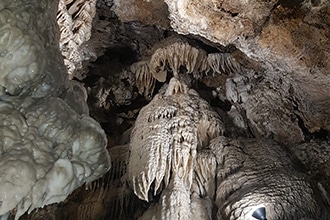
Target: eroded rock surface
49, 144
262, 70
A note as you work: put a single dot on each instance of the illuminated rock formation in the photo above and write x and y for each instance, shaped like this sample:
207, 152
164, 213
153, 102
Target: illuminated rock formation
49, 145
212, 109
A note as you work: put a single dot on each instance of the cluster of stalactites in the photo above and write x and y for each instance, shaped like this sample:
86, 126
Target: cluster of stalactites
180, 58
74, 18
163, 148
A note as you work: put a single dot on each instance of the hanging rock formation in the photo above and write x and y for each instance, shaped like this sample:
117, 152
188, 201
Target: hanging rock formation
211, 109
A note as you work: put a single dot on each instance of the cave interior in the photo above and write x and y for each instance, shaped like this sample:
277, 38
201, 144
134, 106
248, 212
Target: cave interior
257, 100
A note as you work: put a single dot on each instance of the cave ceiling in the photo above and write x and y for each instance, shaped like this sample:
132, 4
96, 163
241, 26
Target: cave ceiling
210, 108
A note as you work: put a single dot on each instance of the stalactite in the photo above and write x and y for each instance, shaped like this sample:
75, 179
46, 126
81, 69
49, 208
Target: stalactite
164, 145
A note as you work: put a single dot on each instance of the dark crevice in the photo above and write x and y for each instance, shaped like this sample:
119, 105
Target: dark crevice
208, 46
154, 199
111, 126
68, 6
223, 105
259, 28
322, 134
232, 14
291, 3
303, 128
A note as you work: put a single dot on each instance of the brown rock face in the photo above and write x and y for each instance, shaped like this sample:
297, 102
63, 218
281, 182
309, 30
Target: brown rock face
291, 39
224, 22
146, 12
212, 108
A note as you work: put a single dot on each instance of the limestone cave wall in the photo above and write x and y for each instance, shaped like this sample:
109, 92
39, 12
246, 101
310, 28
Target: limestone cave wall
211, 109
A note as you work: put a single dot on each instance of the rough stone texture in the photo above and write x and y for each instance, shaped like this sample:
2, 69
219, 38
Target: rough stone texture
49, 145
74, 19
147, 12
292, 39
23, 39
272, 96
259, 172
271, 114
223, 22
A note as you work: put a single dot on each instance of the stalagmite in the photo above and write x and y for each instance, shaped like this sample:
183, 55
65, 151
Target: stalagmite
164, 142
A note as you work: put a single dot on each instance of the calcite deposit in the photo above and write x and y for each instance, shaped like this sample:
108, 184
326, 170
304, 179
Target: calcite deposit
210, 109
49, 144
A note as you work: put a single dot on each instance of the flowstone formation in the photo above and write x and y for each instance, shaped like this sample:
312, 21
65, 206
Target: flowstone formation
211, 109
49, 145
164, 145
